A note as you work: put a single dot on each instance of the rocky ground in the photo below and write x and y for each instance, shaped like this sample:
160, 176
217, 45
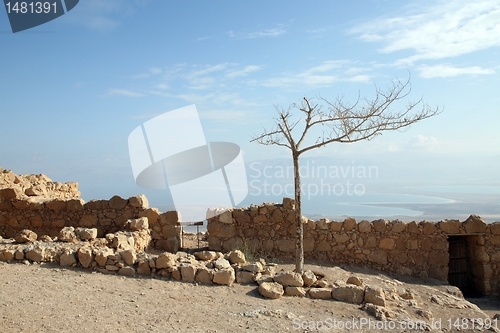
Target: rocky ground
43, 297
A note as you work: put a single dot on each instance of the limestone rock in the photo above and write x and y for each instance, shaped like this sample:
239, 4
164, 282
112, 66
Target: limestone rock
255, 267
188, 272
289, 279
139, 201
375, 296
205, 255
224, 276
128, 271
355, 281
474, 224
165, 260
204, 275
138, 224
25, 236
321, 293
271, 290
263, 278
296, 291
101, 256
85, 256
309, 278
349, 293
67, 234
143, 268
86, 233
221, 263
129, 256
67, 258
117, 202
244, 277
35, 254
236, 257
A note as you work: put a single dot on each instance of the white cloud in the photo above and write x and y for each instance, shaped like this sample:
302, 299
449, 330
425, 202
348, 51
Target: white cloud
124, 92
243, 72
442, 30
325, 74
151, 72
449, 71
273, 32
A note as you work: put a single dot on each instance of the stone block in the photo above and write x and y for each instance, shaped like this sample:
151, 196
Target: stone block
25, 236
285, 245
272, 290
349, 293
289, 279
221, 230
364, 226
374, 296
379, 225
75, 205
85, 256
386, 243
56, 204
224, 276
320, 293
474, 224
188, 272
172, 218
296, 291
349, 223
138, 224
139, 201
117, 202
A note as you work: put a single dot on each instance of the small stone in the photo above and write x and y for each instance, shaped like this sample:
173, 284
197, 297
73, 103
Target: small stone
165, 260
204, 275
67, 258
128, 271
289, 279
67, 234
255, 267
244, 277
349, 293
236, 257
25, 236
138, 224
224, 276
375, 296
205, 255
188, 272
129, 256
320, 293
296, 291
221, 263
86, 233
271, 290
309, 278
85, 256
355, 281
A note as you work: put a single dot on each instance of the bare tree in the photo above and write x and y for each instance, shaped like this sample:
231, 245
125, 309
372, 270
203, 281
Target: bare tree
343, 123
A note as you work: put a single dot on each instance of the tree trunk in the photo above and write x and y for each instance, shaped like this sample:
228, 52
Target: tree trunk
299, 245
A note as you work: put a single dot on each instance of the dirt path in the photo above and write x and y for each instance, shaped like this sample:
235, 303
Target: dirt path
47, 298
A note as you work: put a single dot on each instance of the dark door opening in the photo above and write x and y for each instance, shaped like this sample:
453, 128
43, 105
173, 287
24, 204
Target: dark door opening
459, 273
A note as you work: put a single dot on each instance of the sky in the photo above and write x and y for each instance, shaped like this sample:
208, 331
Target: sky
72, 90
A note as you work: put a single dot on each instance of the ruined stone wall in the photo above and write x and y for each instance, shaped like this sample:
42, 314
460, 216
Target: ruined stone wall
49, 216
39, 186
415, 248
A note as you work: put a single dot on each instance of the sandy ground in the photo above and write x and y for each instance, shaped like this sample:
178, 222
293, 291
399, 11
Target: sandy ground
48, 298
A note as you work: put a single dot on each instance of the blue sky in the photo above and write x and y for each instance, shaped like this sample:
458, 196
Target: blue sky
73, 89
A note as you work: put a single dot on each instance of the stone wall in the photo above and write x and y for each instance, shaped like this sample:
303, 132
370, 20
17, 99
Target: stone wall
39, 186
414, 248
48, 217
